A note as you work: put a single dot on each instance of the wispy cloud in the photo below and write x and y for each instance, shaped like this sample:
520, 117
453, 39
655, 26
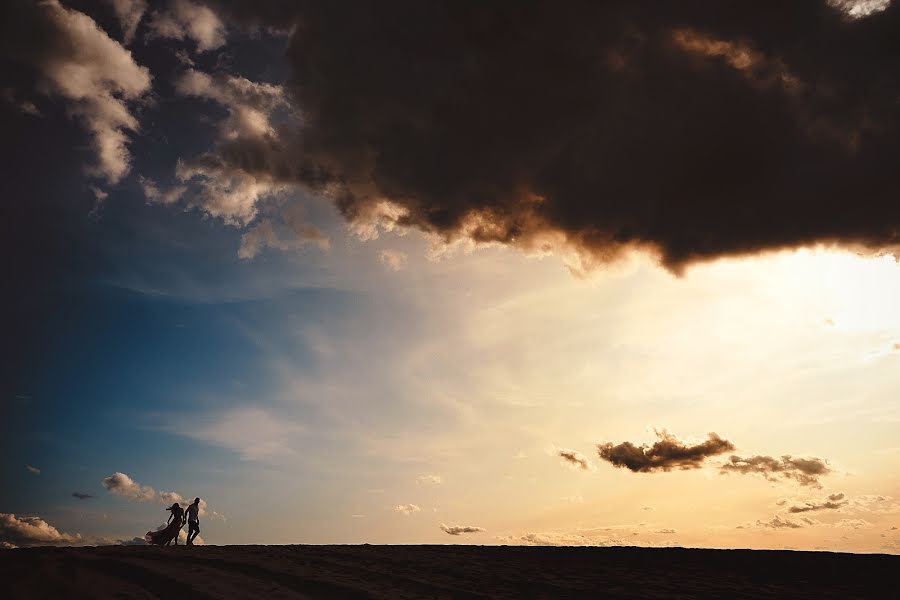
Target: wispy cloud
831, 502
853, 523
32, 469
779, 522
427, 479
395, 260
185, 19
129, 14
254, 433
573, 458
407, 509
557, 539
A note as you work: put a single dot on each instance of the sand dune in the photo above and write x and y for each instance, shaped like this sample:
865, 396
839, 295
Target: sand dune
208, 572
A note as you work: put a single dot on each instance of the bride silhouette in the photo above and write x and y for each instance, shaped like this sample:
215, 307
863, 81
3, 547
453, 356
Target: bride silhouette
169, 533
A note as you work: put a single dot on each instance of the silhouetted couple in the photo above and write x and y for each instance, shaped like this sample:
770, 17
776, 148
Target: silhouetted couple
177, 520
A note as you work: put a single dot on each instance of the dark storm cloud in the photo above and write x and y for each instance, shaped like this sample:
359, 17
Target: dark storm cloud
665, 454
805, 471
694, 129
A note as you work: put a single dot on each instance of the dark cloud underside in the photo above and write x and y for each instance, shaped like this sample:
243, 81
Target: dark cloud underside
805, 471
460, 529
665, 454
696, 129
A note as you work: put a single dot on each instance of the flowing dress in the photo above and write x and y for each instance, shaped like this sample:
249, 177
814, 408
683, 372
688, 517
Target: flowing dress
168, 533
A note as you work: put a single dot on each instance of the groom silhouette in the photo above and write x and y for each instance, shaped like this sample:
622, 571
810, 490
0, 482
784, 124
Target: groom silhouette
193, 520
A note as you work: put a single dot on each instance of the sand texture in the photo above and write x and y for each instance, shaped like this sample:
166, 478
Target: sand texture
207, 572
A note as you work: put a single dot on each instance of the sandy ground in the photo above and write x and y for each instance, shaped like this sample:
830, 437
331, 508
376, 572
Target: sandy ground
205, 572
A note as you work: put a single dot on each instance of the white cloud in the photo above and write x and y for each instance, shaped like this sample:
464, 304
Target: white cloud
558, 539
249, 103
97, 76
214, 515
407, 509
34, 470
229, 195
227, 191
121, 484
428, 479
170, 498
852, 523
395, 260
856, 9
154, 195
373, 218
32, 531
187, 20
295, 233
878, 504
99, 194
129, 14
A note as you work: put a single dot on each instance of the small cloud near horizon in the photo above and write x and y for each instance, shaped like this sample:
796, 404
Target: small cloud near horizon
32, 531
461, 529
831, 502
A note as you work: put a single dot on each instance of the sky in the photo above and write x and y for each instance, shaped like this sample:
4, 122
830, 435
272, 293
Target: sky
507, 273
